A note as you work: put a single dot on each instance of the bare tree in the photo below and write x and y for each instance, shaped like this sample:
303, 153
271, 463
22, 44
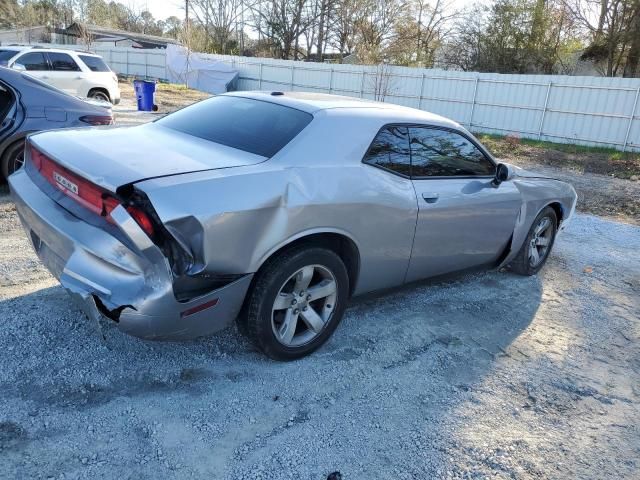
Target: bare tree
380, 81
342, 30
376, 28
434, 21
283, 23
220, 19
606, 22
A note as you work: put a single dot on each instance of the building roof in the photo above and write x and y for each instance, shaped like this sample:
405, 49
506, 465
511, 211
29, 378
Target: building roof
112, 34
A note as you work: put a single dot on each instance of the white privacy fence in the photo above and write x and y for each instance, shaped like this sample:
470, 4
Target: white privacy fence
582, 110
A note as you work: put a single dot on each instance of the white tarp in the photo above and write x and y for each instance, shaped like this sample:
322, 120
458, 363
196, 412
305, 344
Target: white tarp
199, 70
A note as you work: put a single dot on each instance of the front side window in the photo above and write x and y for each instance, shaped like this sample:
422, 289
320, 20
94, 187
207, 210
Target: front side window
62, 62
33, 61
442, 153
390, 150
255, 126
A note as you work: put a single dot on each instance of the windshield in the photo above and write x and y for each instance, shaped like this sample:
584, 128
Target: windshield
255, 126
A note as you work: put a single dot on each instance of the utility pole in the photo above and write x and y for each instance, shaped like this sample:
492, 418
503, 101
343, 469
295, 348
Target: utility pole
187, 40
186, 21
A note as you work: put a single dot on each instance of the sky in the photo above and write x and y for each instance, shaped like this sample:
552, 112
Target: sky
162, 9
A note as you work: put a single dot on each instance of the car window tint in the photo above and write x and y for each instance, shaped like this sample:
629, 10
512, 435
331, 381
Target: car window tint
33, 61
390, 150
254, 126
5, 55
442, 153
62, 62
95, 64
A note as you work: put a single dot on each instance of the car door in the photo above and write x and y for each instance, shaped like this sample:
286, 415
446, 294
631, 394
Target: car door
36, 64
388, 219
463, 219
8, 111
65, 73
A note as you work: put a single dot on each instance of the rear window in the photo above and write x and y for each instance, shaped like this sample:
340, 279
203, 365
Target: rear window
62, 62
258, 127
95, 64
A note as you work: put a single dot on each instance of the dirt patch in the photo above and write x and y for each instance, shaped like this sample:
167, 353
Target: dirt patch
169, 97
577, 158
606, 180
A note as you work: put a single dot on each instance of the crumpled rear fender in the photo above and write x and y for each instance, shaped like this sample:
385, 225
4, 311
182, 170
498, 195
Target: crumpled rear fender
232, 221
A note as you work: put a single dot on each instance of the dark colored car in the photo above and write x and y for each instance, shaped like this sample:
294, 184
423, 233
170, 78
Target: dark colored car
28, 105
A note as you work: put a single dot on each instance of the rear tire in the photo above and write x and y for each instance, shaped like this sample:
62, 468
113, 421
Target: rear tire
297, 301
13, 159
99, 95
541, 237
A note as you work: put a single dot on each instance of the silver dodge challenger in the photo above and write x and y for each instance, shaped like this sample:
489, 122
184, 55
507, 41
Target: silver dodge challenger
273, 209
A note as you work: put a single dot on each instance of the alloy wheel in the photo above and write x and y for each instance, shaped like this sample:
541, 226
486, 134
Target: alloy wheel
540, 241
17, 162
304, 305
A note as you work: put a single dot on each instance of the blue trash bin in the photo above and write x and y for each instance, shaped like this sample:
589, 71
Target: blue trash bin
145, 91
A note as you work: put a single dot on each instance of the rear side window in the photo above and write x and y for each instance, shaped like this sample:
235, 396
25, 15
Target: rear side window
390, 150
95, 64
5, 55
442, 153
33, 61
62, 62
258, 127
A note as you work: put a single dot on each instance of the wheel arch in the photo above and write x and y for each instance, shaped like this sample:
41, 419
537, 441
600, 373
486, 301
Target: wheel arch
99, 89
7, 145
340, 242
522, 228
558, 208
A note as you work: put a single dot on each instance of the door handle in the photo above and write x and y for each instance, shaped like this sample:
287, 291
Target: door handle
430, 197
78, 78
45, 78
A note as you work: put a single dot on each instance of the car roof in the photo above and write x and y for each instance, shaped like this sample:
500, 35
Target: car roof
37, 48
312, 102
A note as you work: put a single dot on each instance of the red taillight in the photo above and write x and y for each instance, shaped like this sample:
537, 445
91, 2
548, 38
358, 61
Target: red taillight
97, 119
141, 219
91, 196
72, 185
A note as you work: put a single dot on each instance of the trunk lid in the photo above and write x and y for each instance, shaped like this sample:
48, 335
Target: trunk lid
112, 157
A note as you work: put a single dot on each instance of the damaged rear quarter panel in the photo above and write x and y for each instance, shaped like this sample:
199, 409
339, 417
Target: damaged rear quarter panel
233, 219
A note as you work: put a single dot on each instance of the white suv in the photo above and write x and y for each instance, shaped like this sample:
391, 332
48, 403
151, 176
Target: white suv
82, 74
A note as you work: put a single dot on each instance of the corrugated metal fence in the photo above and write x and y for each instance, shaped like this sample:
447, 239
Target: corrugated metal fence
582, 110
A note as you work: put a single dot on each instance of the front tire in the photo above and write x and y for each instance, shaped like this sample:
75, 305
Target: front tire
537, 246
296, 303
13, 159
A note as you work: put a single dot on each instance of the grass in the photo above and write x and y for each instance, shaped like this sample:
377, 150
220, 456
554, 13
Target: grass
586, 159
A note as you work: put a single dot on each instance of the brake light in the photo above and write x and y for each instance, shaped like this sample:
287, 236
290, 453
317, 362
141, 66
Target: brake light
72, 185
141, 219
97, 119
92, 197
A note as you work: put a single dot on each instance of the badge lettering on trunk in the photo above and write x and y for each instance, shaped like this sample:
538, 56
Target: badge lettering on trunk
65, 183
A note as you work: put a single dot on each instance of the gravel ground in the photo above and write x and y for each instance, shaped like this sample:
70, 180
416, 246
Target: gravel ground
489, 375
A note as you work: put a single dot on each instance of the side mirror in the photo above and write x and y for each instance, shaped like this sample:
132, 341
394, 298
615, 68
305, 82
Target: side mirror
504, 172
19, 67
